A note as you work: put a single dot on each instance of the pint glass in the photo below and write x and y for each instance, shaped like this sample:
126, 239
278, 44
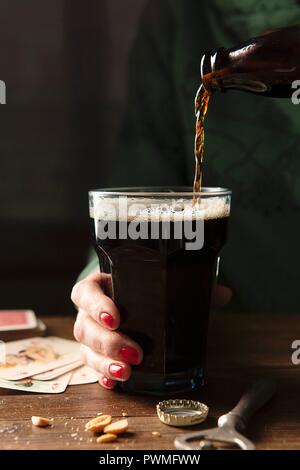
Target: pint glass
159, 248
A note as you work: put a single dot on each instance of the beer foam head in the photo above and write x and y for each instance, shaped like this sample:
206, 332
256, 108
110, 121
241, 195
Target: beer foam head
130, 209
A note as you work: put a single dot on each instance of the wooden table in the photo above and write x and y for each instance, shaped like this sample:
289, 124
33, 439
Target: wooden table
241, 349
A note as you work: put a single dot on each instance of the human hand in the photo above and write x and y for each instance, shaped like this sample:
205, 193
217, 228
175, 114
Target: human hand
109, 352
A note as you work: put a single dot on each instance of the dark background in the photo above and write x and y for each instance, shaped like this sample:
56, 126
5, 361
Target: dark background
64, 65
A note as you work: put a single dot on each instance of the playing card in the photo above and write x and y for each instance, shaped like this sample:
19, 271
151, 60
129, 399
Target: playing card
51, 374
29, 357
17, 320
83, 375
36, 386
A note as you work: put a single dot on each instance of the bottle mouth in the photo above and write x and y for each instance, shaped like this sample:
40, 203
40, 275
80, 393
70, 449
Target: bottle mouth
208, 66
205, 65
205, 69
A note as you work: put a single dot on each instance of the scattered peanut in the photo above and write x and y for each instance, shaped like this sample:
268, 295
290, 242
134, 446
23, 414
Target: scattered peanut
107, 438
156, 433
40, 421
98, 424
117, 428
124, 414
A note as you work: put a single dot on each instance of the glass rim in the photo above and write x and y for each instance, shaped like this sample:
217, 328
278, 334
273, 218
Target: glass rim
160, 191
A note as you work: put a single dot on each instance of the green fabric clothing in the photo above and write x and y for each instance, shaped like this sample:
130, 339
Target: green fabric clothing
251, 142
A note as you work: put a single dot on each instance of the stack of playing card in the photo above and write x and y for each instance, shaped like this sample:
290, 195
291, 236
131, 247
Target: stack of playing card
19, 324
43, 365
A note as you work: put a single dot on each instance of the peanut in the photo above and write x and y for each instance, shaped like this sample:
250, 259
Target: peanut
40, 421
98, 424
117, 428
107, 438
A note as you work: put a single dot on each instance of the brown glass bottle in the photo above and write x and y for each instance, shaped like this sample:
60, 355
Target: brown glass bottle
267, 64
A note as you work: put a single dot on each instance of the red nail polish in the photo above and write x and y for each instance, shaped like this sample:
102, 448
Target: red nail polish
107, 382
116, 370
107, 319
129, 354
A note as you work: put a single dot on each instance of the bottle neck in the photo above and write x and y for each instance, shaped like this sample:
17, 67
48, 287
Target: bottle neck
267, 65
218, 73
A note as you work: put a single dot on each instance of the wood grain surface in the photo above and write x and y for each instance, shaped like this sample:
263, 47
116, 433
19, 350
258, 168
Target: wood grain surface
241, 349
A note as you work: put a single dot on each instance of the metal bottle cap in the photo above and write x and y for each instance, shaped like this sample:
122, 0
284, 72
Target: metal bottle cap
181, 412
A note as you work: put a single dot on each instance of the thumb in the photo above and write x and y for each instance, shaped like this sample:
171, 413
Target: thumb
221, 295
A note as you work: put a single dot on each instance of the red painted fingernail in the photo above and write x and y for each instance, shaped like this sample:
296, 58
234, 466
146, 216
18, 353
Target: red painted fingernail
116, 370
107, 319
129, 354
107, 382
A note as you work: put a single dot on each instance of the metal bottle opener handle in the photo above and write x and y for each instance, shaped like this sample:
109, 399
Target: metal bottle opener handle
232, 424
259, 394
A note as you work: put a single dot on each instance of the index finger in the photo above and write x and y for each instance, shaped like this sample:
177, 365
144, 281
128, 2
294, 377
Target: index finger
88, 295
